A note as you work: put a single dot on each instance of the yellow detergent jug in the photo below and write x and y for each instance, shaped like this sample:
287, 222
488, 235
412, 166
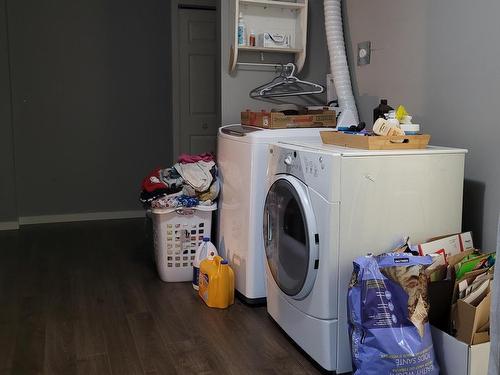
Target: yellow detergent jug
216, 282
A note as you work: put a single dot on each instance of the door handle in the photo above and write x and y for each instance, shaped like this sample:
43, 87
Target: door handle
269, 229
204, 126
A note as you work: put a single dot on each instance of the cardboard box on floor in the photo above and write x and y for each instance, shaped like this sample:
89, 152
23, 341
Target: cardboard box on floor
446, 312
441, 295
472, 322
468, 352
457, 358
449, 245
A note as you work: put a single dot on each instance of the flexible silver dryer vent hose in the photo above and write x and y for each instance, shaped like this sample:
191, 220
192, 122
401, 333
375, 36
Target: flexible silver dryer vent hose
338, 64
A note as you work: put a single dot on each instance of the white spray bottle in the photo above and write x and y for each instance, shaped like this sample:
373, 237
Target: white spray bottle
242, 31
205, 250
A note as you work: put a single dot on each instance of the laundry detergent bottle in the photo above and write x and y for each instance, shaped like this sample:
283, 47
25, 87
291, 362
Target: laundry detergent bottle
216, 282
206, 249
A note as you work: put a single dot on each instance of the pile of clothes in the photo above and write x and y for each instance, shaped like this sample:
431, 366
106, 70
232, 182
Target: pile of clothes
191, 182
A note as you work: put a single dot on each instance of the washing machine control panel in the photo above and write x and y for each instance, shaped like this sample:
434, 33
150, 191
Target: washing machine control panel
301, 163
316, 169
314, 165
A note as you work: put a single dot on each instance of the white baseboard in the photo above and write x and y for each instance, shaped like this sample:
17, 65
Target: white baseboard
88, 216
9, 225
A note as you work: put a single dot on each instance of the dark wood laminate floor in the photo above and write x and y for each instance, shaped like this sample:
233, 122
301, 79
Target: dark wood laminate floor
84, 298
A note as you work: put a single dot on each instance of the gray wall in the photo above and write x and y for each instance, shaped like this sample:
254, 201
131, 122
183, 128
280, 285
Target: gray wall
439, 58
8, 211
236, 86
91, 103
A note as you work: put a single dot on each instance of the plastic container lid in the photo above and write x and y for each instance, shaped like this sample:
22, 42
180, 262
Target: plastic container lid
206, 239
410, 127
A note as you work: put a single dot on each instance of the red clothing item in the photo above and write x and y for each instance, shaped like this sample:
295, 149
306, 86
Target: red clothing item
153, 181
186, 158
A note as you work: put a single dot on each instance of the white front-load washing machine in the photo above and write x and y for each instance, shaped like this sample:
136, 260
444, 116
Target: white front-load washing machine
242, 156
327, 205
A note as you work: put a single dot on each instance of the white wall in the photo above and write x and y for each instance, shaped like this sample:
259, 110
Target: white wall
440, 59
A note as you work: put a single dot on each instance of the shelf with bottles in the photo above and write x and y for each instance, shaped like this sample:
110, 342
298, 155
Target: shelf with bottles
276, 27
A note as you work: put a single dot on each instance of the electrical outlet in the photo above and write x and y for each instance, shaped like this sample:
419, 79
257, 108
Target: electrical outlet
364, 53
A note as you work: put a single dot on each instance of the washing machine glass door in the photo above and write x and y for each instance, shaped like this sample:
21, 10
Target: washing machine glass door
290, 237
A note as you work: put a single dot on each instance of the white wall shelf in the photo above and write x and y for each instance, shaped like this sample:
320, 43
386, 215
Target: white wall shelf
270, 49
275, 4
287, 17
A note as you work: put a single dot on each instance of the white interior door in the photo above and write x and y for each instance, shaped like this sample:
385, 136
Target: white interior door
198, 80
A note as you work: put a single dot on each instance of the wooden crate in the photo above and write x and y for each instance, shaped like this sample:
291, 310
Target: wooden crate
375, 142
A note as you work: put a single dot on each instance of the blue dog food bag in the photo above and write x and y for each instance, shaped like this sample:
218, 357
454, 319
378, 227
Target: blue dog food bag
388, 307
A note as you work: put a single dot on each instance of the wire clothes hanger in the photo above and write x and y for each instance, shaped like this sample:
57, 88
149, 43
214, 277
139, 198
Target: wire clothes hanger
286, 84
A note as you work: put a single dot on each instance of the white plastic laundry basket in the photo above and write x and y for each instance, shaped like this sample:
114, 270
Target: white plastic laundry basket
177, 234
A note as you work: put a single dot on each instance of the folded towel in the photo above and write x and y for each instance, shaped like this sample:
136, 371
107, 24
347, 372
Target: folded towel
197, 175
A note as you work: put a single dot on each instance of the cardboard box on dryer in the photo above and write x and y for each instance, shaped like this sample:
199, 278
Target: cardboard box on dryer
278, 120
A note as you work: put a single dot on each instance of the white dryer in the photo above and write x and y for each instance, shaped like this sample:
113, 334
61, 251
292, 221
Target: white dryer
242, 156
325, 206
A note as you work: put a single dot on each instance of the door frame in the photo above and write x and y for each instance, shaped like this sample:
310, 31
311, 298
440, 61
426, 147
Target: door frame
175, 5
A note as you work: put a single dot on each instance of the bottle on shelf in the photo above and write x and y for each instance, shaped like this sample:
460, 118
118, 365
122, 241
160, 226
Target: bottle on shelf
242, 31
251, 39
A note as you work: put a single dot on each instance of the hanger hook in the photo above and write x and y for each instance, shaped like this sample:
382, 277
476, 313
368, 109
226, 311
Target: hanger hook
292, 67
284, 70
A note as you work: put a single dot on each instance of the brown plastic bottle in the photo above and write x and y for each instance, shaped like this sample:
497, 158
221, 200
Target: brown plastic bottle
381, 109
